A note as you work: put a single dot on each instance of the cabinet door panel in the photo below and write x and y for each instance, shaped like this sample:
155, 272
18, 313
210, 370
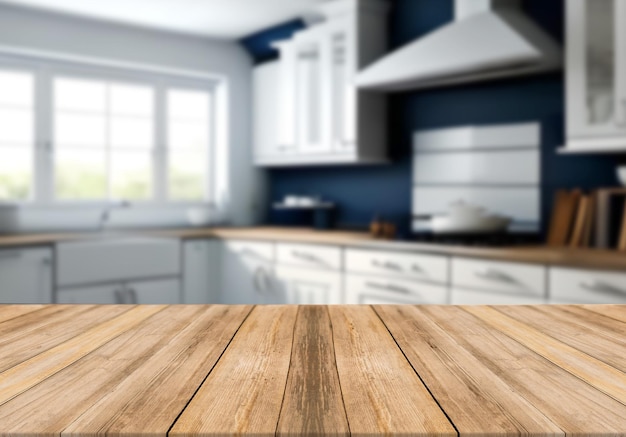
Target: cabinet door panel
472, 297
200, 272
246, 270
266, 110
161, 292
366, 290
26, 276
301, 286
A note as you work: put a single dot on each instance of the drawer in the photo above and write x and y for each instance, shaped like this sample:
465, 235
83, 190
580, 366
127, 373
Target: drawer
415, 266
319, 257
587, 286
261, 251
502, 277
472, 297
369, 290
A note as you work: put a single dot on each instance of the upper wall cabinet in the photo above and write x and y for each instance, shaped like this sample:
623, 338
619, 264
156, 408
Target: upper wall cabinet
596, 76
308, 109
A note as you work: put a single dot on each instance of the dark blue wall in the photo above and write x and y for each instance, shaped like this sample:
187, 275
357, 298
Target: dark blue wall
362, 192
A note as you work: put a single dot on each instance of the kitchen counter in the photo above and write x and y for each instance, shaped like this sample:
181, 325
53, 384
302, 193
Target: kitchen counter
581, 258
311, 370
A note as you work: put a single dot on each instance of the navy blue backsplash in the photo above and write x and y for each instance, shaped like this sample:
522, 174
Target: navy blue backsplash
363, 192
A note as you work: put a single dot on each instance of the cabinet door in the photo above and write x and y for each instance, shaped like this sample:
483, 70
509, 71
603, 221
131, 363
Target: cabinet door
26, 276
165, 291
596, 97
246, 270
340, 72
473, 297
266, 110
312, 92
285, 126
301, 286
369, 290
200, 272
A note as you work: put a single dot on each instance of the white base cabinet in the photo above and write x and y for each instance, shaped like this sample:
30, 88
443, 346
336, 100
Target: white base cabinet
166, 292
248, 273
302, 286
376, 290
587, 286
201, 259
26, 276
475, 297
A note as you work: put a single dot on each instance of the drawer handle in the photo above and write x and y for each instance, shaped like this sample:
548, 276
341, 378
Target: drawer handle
388, 265
306, 257
604, 288
495, 275
389, 287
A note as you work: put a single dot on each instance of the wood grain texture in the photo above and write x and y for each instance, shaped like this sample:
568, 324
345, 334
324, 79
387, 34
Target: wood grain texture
313, 403
244, 392
42, 333
8, 312
575, 406
381, 392
597, 373
40, 367
213, 370
51, 406
474, 397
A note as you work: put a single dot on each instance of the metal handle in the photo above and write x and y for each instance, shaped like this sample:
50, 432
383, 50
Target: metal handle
387, 265
10, 256
126, 295
306, 256
134, 299
119, 296
603, 288
389, 287
495, 275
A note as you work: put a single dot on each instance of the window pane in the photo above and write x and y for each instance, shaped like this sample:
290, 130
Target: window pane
80, 130
132, 132
16, 126
80, 95
132, 100
187, 176
188, 104
81, 174
16, 88
16, 173
188, 135
131, 175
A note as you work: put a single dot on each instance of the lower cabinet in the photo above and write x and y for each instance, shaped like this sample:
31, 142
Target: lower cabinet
26, 276
475, 297
247, 273
578, 286
304, 286
201, 260
374, 290
164, 291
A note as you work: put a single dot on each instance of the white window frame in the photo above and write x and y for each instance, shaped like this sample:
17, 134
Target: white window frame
46, 70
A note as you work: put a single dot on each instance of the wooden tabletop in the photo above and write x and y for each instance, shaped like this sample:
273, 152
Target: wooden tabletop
312, 370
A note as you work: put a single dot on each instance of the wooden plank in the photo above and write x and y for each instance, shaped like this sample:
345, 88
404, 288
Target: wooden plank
616, 312
381, 392
27, 374
244, 392
475, 398
576, 407
49, 407
8, 312
25, 324
47, 332
313, 404
571, 328
596, 373
150, 399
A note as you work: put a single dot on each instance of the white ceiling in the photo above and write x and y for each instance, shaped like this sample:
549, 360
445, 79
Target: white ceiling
216, 18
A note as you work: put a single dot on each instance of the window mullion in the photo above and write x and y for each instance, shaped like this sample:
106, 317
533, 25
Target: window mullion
160, 146
44, 147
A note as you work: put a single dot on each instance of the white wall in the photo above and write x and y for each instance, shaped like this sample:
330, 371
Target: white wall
241, 186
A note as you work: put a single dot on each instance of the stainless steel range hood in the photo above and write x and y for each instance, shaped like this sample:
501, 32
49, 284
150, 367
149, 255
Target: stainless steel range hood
489, 39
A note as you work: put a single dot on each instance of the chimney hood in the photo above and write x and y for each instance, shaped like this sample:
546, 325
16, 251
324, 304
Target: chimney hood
489, 39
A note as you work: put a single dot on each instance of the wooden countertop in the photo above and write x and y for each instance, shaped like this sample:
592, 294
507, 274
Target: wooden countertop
581, 258
312, 371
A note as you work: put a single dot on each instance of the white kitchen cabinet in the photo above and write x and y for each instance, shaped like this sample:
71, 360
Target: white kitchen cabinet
247, 272
370, 290
580, 286
322, 117
160, 292
305, 286
266, 88
26, 276
596, 75
475, 297
201, 260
